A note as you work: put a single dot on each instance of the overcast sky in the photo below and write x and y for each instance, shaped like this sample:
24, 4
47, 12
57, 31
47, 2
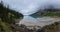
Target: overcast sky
28, 7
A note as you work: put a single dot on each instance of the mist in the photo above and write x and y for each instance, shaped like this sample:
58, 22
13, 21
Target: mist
28, 7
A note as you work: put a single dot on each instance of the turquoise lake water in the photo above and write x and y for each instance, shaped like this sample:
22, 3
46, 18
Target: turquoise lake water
34, 16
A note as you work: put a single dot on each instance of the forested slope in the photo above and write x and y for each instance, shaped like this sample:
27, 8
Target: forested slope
7, 18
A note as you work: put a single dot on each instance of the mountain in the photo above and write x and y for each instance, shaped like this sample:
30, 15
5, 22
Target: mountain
7, 14
7, 18
46, 12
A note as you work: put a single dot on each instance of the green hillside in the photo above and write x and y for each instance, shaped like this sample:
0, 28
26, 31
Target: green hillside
50, 12
7, 18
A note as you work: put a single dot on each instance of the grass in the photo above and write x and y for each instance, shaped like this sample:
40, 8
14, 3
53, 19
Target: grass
4, 27
53, 14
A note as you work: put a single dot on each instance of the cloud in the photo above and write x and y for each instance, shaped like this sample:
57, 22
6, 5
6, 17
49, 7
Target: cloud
27, 7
